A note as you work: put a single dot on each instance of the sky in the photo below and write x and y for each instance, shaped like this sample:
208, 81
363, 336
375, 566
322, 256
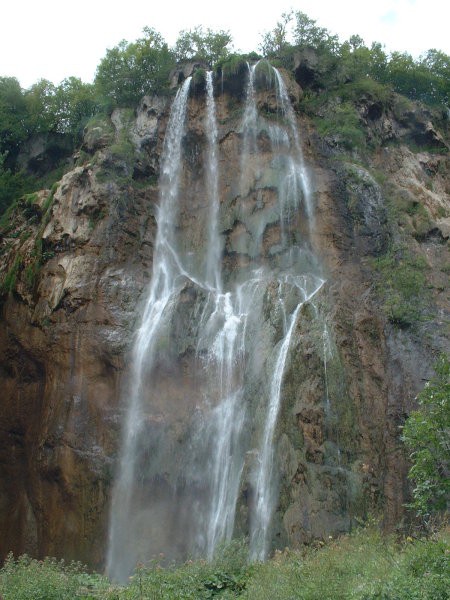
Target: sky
51, 39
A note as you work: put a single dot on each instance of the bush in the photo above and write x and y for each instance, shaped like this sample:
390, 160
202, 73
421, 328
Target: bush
427, 436
342, 122
132, 70
361, 566
402, 284
28, 579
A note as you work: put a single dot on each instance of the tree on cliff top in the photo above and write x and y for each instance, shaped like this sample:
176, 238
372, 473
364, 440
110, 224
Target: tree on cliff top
427, 435
132, 70
297, 30
203, 45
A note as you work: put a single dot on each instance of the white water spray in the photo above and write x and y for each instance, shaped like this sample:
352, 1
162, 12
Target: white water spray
240, 360
122, 547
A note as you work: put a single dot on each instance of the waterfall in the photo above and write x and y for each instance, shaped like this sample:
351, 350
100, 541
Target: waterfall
213, 346
121, 551
302, 172
307, 285
214, 254
226, 421
249, 129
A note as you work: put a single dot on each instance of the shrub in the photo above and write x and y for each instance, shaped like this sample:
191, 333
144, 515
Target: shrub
427, 436
342, 122
402, 284
25, 578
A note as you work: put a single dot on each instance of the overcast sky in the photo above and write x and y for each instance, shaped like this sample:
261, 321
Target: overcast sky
53, 39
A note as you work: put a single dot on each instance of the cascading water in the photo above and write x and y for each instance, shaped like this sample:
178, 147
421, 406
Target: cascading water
213, 274
124, 522
300, 169
213, 345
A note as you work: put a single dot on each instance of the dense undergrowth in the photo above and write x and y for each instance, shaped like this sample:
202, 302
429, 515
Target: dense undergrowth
363, 565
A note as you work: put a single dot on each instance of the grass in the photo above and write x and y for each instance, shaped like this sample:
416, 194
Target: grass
360, 566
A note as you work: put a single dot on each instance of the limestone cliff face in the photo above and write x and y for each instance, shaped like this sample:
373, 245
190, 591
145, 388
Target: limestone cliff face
75, 263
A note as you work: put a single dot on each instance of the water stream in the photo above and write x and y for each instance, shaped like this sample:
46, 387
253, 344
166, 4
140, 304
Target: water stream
213, 345
163, 289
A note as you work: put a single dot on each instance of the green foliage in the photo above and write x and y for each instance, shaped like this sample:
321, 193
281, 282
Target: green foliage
40, 110
28, 579
203, 45
357, 61
296, 29
361, 566
28, 263
9, 281
62, 109
13, 113
199, 77
277, 41
75, 103
402, 283
224, 577
343, 123
131, 70
306, 32
426, 79
234, 64
12, 186
427, 436
368, 87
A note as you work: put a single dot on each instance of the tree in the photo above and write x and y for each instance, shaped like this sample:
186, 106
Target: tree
75, 103
307, 33
438, 66
276, 41
203, 45
132, 70
13, 117
426, 434
41, 110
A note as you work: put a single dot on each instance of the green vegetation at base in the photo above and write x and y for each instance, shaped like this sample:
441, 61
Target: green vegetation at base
360, 566
426, 434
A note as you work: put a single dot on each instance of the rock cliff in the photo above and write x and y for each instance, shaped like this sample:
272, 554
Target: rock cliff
76, 260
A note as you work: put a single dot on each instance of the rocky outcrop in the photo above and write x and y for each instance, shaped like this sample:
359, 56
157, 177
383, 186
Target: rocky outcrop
76, 260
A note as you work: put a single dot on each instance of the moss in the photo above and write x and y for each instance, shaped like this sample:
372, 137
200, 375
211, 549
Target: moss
30, 198
342, 123
232, 65
367, 87
409, 213
6, 220
30, 273
199, 77
9, 282
402, 284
